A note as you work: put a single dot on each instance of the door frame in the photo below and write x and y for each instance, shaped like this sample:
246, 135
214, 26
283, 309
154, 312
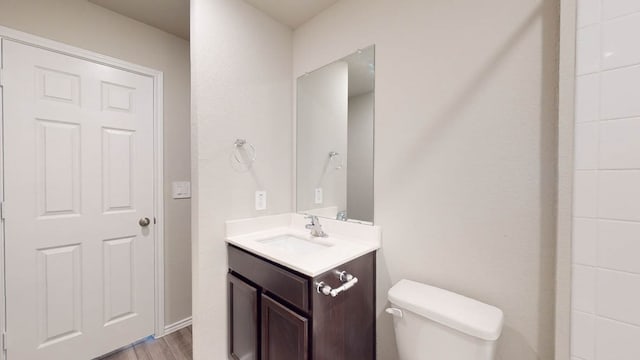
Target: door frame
158, 193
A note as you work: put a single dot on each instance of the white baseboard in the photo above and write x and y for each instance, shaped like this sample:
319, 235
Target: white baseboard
177, 326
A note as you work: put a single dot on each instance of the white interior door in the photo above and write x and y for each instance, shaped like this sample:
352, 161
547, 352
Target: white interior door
78, 177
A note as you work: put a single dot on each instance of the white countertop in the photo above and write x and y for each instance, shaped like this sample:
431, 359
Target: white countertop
346, 241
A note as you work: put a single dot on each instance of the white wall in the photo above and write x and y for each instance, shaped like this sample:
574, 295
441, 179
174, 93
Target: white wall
606, 227
360, 161
88, 26
322, 120
465, 149
241, 85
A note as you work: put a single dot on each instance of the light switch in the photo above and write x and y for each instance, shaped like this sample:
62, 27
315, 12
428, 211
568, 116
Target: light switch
261, 200
318, 196
181, 189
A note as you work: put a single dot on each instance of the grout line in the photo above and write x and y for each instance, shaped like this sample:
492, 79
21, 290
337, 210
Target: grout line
588, 73
619, 169
617, 321
615, 68
603, 20
600, 267
619, 271
622, 221
588, 122
631, 169
583, 312
607, 219
633, 117
603, 70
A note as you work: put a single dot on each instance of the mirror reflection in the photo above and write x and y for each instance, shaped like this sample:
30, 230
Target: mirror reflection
335, 132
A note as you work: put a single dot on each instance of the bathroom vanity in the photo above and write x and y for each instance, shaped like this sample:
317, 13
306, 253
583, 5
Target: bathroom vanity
299, 287
293, 296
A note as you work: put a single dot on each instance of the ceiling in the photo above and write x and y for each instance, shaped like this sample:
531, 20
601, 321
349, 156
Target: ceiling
171, 16
292, 13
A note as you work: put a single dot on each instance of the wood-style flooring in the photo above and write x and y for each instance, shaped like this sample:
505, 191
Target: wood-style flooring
175, 346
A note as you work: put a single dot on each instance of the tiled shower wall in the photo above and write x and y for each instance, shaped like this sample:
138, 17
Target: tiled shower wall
606, 238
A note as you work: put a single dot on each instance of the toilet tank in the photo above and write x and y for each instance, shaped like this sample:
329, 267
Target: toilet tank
436, 324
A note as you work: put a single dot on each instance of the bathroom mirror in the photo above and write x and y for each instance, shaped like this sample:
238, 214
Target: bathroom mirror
335, 134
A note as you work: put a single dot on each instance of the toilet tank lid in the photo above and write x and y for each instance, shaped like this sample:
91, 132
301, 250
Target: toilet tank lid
459, 312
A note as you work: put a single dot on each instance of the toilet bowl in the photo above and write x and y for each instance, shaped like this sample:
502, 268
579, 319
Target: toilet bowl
435, 324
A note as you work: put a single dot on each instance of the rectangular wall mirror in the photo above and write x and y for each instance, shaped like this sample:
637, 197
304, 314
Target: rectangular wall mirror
335, 134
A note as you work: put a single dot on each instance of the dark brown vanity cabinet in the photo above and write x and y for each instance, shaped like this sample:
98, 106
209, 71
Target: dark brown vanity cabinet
285, 334
279, 314
243, 320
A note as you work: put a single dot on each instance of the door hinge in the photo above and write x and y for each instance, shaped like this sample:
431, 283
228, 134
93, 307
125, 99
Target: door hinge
1, 77
4, 341
2, 210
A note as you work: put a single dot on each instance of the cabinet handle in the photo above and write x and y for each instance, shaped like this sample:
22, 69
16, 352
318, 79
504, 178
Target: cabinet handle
344, 287
344, 276
325, 289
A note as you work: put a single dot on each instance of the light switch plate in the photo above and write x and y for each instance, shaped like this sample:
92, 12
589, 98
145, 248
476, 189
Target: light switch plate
318, 196
181, 189
261, 200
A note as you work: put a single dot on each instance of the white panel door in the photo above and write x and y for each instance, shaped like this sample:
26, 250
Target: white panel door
78, 177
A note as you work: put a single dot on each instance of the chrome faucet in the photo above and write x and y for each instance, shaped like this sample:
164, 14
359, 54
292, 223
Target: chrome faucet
315, 227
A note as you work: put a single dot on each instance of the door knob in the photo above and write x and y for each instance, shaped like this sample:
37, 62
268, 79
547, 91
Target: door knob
144, 221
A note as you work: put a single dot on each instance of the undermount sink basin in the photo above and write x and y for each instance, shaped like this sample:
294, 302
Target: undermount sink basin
294, 244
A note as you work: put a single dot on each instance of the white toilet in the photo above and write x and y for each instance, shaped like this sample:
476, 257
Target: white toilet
436, 324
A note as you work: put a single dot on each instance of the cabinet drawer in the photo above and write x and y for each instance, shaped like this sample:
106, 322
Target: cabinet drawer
280, 282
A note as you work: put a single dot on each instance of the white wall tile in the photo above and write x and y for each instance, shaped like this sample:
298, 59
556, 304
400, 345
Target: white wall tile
618, 245
585, 194
617, 341
606, 226
583, 289
588, 12
586, 146
588, 50
620, 38
620, 144
588, 98
619, 195
615, 8
618, 296
585, 235
583, 335
620, 93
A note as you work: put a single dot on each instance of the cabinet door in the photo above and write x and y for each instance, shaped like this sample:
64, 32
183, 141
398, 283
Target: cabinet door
285, 334
243, 320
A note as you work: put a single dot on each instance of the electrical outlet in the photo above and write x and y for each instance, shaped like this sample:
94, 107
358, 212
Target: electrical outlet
318, 196
261, 200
